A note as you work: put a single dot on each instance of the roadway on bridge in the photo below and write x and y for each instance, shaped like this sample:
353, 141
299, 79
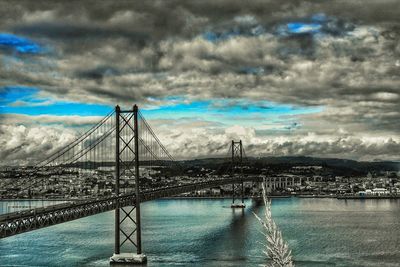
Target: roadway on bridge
30, 220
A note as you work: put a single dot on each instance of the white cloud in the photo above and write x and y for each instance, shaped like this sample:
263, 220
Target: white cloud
29, 144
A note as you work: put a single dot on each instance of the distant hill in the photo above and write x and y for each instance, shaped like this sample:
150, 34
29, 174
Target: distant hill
344, 166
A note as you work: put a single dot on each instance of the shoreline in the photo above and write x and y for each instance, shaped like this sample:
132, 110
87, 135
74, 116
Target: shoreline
369, 197
36, 199
315, 196
220, 197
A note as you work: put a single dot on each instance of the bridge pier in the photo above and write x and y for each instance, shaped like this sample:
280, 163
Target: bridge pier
128, 258
238, 205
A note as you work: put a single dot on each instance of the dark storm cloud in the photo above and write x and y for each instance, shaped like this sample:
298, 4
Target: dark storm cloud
97, 73
343, 56
63, 31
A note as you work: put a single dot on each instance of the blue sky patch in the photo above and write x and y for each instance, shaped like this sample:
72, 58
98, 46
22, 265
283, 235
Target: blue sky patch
319, 17
60, 108
215, 36
230, 112
25, 100
300, 27
318, 24
19, 44
11, 94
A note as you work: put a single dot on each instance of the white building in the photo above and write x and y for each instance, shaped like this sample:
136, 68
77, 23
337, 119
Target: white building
380, 192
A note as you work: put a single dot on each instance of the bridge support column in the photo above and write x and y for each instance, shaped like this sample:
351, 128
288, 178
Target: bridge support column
233, 193
127, 226
237, 155
242, 192
117, 168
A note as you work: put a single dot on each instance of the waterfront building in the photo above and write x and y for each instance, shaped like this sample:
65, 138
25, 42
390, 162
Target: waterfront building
380, 192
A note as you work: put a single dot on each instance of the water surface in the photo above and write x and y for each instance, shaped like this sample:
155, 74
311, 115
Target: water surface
196, 232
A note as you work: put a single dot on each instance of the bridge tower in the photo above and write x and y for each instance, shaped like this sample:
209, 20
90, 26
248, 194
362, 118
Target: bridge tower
127, 163
237, 164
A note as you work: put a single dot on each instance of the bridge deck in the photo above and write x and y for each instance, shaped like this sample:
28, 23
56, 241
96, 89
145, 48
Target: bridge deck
29, 220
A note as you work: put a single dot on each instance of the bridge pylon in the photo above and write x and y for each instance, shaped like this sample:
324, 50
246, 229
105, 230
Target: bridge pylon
127, 226
237, 165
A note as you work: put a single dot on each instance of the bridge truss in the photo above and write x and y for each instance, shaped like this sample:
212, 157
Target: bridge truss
29, 220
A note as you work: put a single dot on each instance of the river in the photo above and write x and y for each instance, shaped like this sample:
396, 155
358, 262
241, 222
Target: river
201, 232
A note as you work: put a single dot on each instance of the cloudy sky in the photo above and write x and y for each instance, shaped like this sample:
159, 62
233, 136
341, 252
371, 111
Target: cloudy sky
288, 77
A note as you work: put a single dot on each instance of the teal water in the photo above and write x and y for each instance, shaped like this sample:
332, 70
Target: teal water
320, 232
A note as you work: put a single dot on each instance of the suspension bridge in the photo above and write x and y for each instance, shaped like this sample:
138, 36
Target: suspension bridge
123, 150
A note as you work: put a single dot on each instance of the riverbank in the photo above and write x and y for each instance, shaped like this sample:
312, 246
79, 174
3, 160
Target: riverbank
38, 199
222, 197
368, 197
315, 196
